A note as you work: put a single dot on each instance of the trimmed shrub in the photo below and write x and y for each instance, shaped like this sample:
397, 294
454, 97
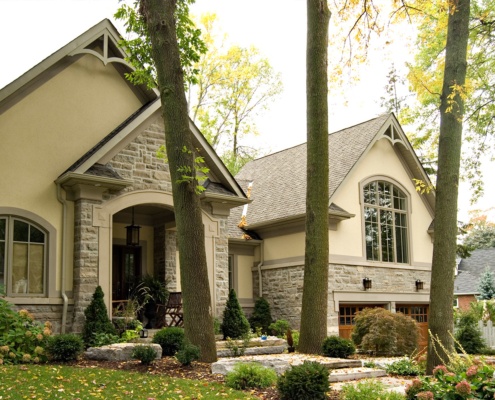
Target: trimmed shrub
249, 376
279, 327
468, 335
171, 339
104, 339
65, 347
334, 346
234, 325
145, 354
187, 354
262, 316
382, 332
97, 320
308, 381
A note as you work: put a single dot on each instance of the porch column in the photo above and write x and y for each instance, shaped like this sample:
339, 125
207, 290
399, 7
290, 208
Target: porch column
171, 275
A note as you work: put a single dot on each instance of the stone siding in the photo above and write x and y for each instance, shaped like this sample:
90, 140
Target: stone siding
221, 267
51, 313
283, 287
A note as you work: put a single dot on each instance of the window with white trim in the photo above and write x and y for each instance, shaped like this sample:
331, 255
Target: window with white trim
23, 256
385, 222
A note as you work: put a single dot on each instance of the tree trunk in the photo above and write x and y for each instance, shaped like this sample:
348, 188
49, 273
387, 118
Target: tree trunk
315, 291
198, 321
441, 320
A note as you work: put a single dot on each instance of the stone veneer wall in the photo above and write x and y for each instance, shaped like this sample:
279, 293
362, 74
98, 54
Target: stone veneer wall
85, 260
51, 313
171, 260
221, 267
283, 287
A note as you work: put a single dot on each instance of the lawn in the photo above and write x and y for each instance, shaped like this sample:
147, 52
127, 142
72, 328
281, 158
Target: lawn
65, 382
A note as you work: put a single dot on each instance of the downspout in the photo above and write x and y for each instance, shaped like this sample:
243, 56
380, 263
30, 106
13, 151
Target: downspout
65, 299
262, 255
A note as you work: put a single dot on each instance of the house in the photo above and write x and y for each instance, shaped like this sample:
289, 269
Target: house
469, 272
80, 171
379, 227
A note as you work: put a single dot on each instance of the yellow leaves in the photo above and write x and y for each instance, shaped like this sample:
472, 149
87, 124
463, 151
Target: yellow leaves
422, 187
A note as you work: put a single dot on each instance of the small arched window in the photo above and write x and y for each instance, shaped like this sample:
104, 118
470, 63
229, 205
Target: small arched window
385, 222
23, 255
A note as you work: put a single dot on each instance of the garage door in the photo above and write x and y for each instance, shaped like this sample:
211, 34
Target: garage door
418, 312
346, 317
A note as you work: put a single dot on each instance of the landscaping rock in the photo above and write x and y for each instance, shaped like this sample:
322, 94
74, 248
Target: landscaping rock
118, 352
255, 342
251, 351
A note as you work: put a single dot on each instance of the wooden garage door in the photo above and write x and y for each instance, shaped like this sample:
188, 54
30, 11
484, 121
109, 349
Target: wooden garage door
418, 312
346, 317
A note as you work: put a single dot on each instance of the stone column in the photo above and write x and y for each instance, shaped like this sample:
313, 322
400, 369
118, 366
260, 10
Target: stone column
221, 266
85, 259
159, 252
170, 259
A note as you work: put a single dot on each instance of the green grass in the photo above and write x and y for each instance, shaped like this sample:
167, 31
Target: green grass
61, 382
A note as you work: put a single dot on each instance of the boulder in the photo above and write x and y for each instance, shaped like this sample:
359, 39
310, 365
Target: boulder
118, 352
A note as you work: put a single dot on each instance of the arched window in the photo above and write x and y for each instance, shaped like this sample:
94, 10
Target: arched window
23, 256
385, 222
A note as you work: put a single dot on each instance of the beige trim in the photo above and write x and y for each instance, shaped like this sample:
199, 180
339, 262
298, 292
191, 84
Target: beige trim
50, 283
363, 297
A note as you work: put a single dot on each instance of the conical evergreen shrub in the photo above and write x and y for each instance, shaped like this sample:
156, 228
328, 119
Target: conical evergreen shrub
235, 324
262, 315
97, 320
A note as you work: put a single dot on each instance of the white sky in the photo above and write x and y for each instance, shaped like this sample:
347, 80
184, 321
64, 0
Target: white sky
31, 30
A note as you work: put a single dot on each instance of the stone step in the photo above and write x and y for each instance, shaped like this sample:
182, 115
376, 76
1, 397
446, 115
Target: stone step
350, 374
282, 362
251, 351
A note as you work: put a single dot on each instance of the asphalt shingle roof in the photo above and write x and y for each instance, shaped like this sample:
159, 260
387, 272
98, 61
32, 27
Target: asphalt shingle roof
279, 179
470, 270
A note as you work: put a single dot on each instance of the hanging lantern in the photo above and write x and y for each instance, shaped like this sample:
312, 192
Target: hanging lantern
132, 237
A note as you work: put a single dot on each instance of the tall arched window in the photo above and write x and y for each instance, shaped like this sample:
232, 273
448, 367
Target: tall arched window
385, 222
23, 255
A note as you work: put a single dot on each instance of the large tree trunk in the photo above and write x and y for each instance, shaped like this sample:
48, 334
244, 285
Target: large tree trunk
198, 321
441, 320
315, 291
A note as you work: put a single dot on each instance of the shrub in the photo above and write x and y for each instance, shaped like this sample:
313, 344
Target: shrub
237, 348
234, 325
97, 320
187, 354
334, 346
250, 375
104, 339
262, 316
145, 354
468, 335
472, 382
367, 390
22, 340
404, 367
382, 332
308, 381
279, 327
171, 339
217, 326
65, 347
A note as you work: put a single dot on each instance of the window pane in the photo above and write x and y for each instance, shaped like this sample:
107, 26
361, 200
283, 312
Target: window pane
401, 238
19, 268
36, 236
2, 264
387, 236
3, 222
36, 268
21, 230
371, 233
384, 194
370, 193
399, 199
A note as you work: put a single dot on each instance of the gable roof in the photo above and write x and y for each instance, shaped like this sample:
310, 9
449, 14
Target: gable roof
279, 179
470, 270
102, 41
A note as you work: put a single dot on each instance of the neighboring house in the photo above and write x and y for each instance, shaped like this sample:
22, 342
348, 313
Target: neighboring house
469, 272
379, 228
80, 170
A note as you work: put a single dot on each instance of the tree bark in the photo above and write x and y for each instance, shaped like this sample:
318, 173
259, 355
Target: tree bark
198, 319
315, 290
441, 321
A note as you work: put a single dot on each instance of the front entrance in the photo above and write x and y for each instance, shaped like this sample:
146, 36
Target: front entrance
126, 270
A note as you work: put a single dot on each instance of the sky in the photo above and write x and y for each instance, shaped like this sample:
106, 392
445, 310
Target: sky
31, 30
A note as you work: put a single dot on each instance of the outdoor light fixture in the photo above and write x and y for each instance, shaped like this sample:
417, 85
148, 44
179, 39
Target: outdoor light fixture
132, 238
419, 284
143, 333
367, 283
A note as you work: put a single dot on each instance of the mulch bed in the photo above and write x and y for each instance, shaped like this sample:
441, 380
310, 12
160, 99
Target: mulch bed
169, 366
